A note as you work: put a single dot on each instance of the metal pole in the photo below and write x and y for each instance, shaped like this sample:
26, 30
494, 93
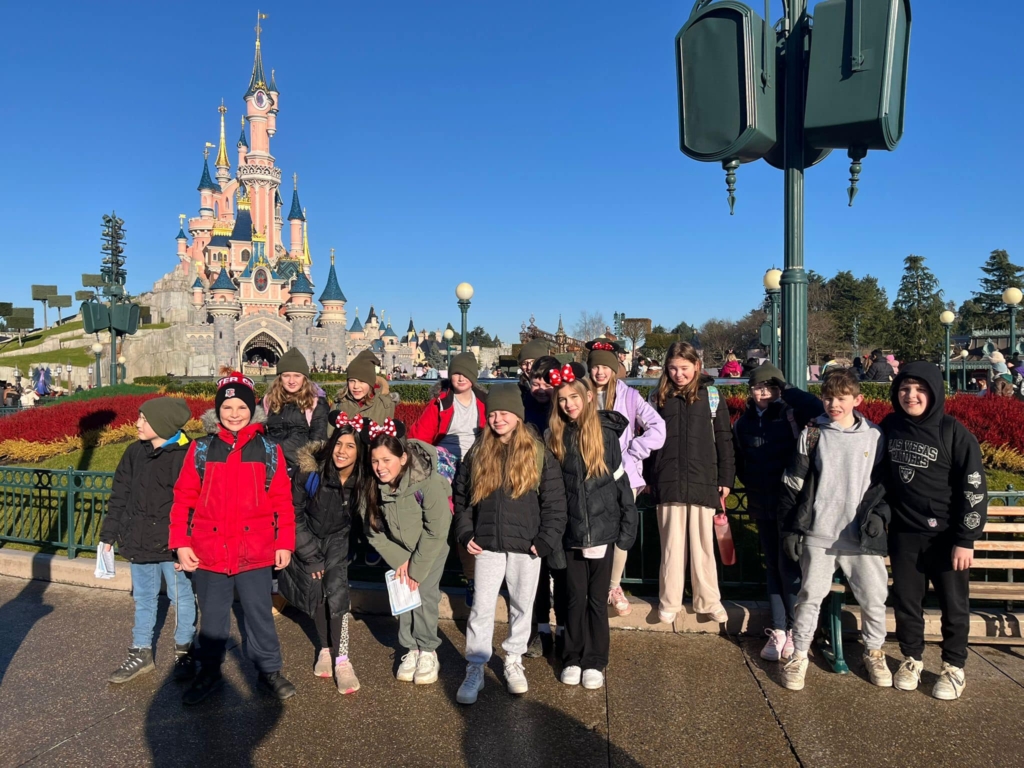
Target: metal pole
947, 358
1013, 329
794, 278
99, 375
464, 306
773, 300
448, 346
113, 352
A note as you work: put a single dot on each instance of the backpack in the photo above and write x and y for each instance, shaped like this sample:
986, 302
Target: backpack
713, 401
269, 457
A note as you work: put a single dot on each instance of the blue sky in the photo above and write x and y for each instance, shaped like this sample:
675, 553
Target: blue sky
529, 148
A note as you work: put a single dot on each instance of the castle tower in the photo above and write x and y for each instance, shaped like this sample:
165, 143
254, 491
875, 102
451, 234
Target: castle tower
300, 312
223, 306
332, 319
260, 176
182, 239
296, 218
356, 331
243, 146
411, 339
222, 163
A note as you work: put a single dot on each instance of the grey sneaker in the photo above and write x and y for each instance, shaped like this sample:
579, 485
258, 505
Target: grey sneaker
427, 668
793, 673
908, 676
878, 668
515, 675
345, 677
139, 662
324, 662
472, 685
950, 684
407, 669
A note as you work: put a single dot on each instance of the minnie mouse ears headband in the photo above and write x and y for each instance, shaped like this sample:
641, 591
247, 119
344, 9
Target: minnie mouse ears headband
341, 419
391, 427
556, 377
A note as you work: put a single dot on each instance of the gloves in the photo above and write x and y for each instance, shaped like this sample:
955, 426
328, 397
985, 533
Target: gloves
793, 546
874, 526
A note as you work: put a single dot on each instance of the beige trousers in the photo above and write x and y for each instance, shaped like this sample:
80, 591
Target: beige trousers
619, 557
687, 529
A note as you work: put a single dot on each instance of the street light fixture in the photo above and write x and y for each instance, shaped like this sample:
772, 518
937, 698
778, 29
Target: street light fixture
464, 292
963, 369
449, 334
772, 285
121, 360
947, 318
97, 349
1012, 298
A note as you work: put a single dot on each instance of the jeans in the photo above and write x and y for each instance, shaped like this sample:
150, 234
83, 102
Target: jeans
146, 590
782, 574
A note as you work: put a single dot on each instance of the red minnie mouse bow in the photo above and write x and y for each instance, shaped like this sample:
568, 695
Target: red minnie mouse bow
557, 378
603, 345
344, 420
387, 428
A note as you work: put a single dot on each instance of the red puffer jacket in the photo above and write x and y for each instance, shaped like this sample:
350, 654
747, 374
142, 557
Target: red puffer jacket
228, 518
436, 419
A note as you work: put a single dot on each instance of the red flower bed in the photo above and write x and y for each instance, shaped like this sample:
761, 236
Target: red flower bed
407, 413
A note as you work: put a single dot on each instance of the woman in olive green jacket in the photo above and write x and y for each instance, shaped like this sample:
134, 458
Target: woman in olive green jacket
407, 517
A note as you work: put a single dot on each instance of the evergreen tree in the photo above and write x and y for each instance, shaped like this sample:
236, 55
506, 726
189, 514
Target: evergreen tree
1000, 274
847, 298
917, 332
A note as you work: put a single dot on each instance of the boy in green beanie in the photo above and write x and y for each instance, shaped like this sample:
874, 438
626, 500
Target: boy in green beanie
137, 519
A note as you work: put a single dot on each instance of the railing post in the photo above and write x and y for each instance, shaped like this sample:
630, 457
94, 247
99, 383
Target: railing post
70, 513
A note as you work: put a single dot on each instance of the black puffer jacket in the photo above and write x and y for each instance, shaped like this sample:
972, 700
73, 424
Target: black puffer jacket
323, 524
698, 453
291, 429
765, 443
601, 509
500, 523
139, 510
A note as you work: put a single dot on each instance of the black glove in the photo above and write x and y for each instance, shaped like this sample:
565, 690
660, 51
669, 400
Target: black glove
874, 526
793, 546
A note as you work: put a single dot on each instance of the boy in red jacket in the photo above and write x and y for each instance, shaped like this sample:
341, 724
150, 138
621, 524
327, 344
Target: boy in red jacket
232, 524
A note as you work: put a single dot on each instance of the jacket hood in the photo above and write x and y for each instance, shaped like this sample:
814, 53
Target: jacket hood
307, 457
860, 423
422, 462
614, 421
930, 374
381, 388
211, 424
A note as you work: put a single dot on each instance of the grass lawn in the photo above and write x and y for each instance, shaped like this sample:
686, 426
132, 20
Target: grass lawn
36, 339
74, 355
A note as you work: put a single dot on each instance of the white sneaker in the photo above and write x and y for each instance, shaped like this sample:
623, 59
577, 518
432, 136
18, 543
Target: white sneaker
793, 673
571, 675
719, 615
666, 618
515, 675
407, 669
878, 668
772, 650
324, 663
908, 676
427, 668
472, 685
593, 679
950, 684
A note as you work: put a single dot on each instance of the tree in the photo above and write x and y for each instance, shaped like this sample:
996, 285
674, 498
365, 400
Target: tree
717, 337
43, 293
1000, 274
684, 330
862, 299
970, 316
636, 329
916, 330
659, 329
589, 326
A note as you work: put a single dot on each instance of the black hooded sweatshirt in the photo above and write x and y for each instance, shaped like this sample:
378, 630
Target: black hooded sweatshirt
935, 480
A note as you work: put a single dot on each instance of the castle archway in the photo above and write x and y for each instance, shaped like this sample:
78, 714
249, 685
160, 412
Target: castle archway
261, 353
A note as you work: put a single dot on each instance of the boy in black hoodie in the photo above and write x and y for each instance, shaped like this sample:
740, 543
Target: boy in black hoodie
937, 492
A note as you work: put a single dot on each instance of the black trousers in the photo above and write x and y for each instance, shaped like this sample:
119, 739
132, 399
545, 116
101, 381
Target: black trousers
586, 628
916, 559
542, 603
216, 593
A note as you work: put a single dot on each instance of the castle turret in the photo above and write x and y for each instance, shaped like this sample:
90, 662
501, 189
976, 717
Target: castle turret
332, 319
243, 145
272, 114
295, 221
222, 163
356, 331
182, 238
207, 188
300, 312
223, 306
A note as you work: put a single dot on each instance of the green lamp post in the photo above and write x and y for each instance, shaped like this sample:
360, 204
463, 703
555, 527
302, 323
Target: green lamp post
449, 334
947, 318
772, 280
464, 292
1012, 298
97, 349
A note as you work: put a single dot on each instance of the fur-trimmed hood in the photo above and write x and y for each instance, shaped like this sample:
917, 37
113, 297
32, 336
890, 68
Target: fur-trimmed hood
308, 463
422, 462
381, 389
211, 424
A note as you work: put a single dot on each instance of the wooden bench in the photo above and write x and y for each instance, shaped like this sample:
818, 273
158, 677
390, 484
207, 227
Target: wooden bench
993, 562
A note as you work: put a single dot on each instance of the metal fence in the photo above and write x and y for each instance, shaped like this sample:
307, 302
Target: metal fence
5, 411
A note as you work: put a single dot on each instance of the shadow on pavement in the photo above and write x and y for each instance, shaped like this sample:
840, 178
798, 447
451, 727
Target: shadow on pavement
19, 614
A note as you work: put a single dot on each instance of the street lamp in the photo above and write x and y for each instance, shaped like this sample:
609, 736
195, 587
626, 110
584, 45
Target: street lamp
121, 360
449, 334
464, 292
947, 318
963, 370
1012, 298
772, 282
97, 349
59, 370
393, 366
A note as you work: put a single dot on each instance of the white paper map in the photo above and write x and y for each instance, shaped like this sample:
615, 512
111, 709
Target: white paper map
402, 598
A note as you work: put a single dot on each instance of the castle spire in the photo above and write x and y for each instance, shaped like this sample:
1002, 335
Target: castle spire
222, 162
332, 291
241, 139
258, 81
205, 182
307, 260
296, 211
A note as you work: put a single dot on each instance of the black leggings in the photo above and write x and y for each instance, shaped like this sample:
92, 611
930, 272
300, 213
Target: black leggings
332, 630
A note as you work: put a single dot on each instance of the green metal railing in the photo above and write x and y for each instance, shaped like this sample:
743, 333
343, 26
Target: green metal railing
5, 411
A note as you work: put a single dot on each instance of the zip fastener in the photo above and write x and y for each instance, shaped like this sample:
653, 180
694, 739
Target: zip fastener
497, 520
583, 493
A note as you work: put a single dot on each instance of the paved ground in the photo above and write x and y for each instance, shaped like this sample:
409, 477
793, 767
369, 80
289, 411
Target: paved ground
671, 700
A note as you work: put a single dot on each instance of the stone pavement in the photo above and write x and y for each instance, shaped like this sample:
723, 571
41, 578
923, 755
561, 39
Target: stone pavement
671, 700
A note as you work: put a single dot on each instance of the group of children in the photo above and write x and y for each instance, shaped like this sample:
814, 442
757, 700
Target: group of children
546, 475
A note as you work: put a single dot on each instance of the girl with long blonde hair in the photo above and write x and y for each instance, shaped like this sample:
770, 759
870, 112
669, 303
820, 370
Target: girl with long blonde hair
690, 478
509, 513
296, 408
602, 516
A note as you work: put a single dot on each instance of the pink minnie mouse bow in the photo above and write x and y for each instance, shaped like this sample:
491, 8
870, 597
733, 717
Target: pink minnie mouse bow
557, 378
344, 420
387, 428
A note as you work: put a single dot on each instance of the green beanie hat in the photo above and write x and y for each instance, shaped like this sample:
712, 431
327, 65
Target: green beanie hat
367, 354
602, 352
292, 361
766, 373
166, 415
532, 350
465, 363
362, 369
506, 397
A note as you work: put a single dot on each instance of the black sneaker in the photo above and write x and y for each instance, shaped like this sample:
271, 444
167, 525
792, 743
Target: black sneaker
535, 649
139, 661
184, 663
277, 684
205, 683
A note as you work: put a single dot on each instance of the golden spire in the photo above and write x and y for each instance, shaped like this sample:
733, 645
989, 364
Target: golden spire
307, 260
222, 151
